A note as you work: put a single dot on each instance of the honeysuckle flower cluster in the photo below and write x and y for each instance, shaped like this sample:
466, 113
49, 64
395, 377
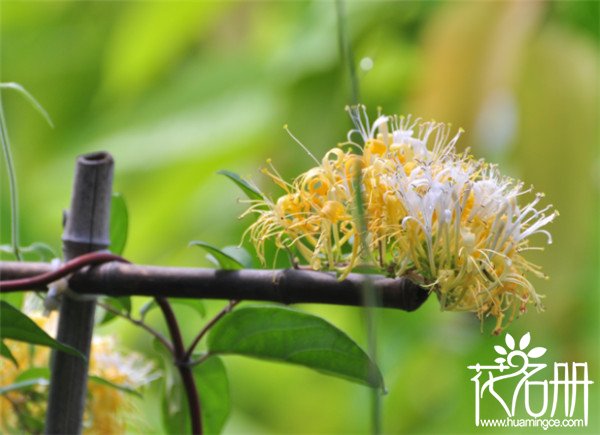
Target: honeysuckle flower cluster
106, 406
450, 222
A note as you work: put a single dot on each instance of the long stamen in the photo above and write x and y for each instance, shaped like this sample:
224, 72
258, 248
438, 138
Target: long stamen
285, 127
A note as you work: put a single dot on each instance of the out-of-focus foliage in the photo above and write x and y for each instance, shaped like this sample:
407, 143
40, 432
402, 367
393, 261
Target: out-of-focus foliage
177, 91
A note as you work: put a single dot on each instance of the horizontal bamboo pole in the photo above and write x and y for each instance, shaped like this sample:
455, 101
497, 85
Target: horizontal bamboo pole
288, 286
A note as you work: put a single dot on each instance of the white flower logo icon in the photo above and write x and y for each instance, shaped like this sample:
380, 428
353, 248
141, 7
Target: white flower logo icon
533, 353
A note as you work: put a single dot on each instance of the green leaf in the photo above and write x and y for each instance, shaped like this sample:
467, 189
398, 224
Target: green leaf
125, 302
147, 307
213, 388
174, 409
24, 384
34, 373
195, 304
288, 335
121, 304
6, 353
15, 325
42, 250
241, 255
223, 260
250, 191
119, 224
175, 413
15, 298
108, 383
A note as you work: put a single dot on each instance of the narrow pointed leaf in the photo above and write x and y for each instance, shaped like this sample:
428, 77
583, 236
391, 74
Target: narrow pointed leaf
6, 353
250, 191
24, 384
500, 350
15, 325
121, 303
119, 224
288, 335
34, 373
223, 260
101, 381
195, 304
145, 309
42, 250
241, 255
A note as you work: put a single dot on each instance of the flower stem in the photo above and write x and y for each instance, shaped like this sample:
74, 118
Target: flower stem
370, 301
346, 50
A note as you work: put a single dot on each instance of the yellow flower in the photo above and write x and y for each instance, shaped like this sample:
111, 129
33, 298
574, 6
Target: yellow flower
106, 406
453, 222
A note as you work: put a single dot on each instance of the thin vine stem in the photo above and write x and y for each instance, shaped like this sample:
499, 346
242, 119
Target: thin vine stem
161, 338
181, 362
208, 326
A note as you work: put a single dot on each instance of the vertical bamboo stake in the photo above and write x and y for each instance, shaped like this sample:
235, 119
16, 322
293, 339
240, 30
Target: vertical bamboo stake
86, 230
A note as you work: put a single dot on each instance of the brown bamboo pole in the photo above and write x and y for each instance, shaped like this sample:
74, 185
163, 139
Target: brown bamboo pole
86, 230
288, 286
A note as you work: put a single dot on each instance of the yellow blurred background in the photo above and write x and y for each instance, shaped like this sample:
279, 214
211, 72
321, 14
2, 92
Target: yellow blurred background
178, 90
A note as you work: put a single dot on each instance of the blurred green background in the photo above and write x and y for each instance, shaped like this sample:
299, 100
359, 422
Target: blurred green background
178, 90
